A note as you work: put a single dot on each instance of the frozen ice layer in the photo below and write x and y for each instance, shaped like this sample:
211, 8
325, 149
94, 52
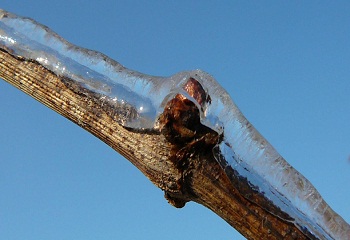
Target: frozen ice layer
93, 70
243, 150
249, 154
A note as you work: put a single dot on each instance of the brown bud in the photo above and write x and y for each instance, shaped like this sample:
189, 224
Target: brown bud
195, 90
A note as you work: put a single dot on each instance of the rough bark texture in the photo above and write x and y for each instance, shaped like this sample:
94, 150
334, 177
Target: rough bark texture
185, 172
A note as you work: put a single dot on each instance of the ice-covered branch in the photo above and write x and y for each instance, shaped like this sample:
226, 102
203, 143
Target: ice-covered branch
190, 110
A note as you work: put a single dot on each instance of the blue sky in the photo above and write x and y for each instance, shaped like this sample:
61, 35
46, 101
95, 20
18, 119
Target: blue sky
285, 64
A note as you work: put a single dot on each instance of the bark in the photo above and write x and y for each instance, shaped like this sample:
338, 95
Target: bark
184, 171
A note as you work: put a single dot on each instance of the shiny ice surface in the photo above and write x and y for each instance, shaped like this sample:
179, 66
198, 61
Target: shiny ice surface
243, 148
92, 70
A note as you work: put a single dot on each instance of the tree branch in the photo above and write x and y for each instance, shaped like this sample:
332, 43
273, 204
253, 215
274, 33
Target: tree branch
196, 176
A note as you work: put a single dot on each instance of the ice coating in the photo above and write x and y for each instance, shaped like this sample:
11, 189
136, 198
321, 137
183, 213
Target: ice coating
93, 70
243, 148
246, 151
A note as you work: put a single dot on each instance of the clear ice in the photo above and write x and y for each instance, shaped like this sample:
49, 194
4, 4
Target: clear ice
243, 148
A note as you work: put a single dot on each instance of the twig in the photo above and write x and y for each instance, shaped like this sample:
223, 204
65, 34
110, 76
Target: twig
193, 175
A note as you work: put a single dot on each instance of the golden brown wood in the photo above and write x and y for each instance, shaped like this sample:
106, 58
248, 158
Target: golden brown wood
201, 180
